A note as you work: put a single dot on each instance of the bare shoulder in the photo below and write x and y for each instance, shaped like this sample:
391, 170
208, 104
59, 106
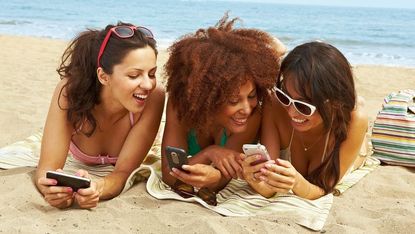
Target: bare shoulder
60, 94
359, 117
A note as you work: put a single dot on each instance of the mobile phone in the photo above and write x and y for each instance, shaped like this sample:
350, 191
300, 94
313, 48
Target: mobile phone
75, 182
253, 149
176, 157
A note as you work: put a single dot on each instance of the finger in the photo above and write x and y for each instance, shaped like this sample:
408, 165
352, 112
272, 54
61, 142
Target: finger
276, 184
59, 189
46, 181
278, 169
277, 180
223, 170
252, 158
57, 197
236, 166
59, 170
230, 170
181, 175
241, 157
283, 163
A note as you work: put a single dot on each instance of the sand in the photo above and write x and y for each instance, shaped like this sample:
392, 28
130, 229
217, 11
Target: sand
382, 202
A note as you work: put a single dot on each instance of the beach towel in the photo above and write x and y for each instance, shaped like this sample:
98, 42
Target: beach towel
393, 134
236, 199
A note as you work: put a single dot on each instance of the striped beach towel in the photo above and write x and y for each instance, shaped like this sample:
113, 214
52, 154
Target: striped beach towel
236, 199
393, 134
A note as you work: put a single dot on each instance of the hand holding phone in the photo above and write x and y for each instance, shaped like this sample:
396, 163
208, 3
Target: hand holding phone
254, 149
176, 157
75, 182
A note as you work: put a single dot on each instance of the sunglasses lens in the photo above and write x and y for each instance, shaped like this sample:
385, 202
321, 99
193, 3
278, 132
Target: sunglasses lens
146, 32
304, 109
283, 99
124, 32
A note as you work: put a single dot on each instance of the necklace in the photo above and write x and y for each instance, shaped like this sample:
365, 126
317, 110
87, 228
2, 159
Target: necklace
306, 148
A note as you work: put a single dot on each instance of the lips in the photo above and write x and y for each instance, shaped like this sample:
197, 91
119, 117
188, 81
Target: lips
240, 121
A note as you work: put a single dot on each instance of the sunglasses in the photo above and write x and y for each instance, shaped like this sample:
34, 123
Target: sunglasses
187, 191
122, 31
302, 107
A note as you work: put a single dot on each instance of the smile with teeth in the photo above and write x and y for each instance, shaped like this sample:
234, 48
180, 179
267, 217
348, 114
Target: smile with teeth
298, 120
240, 120
140, 96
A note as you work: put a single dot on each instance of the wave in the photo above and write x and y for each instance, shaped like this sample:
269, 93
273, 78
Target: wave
14, 22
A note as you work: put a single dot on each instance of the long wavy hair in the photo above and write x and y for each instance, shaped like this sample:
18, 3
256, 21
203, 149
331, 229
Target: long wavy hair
321, 72
79, 67
207, 67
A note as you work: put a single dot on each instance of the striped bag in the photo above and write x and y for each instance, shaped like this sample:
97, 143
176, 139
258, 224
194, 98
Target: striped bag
393, 133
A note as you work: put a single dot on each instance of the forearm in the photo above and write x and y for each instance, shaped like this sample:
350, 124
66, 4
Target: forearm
111, 185
307, 190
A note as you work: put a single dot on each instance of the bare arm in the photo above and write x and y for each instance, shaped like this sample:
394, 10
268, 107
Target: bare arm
55, 143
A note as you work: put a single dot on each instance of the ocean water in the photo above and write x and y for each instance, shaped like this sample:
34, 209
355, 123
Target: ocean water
364, 35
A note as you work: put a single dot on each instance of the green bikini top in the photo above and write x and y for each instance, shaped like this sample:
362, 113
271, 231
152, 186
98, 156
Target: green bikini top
194, 147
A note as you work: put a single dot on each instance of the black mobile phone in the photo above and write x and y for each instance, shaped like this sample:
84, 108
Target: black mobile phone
176, 157
75, 182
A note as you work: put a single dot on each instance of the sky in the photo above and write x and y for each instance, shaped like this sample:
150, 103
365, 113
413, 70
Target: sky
353, 3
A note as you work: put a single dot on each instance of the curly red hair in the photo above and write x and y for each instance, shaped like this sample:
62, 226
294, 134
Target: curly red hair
209, 66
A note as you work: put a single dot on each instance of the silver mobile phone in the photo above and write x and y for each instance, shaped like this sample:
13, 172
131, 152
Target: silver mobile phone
253, 149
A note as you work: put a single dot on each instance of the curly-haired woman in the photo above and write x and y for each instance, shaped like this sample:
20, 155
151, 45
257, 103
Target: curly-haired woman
105, 110
217, 78
313, 125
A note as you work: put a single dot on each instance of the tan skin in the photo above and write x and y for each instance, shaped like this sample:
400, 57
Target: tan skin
241, 120
113, 135
281, 176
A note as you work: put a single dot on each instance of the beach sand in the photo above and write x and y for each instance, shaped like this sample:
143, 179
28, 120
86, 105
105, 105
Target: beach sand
382, 202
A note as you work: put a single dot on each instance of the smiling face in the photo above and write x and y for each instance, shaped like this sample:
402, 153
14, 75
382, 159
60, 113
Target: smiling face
234, 114
134, 79
299, 121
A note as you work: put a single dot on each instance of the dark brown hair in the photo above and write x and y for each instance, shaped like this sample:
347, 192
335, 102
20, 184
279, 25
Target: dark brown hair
320, 73
207, 67
79, 66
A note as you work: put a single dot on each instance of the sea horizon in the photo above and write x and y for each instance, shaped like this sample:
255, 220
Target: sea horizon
373, 36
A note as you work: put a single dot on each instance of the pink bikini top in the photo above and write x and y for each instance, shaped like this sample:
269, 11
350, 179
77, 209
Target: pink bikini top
94, 160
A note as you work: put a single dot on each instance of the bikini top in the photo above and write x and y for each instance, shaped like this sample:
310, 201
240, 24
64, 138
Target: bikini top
194, 147
98, 159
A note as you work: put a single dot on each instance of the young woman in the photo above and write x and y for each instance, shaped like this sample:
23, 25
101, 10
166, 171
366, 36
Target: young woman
313, 125
105, 110
216, 80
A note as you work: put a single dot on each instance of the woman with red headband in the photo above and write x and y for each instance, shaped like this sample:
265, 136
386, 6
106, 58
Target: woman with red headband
106, 110
313, 125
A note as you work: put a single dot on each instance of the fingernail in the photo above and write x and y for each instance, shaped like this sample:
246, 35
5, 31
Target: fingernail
267, 165
263, 170
258, 156
263, 178
69, 190
77, 174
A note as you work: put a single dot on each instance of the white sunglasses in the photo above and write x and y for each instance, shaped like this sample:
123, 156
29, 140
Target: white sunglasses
302, 107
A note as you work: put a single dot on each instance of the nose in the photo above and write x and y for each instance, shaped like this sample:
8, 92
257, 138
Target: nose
146, 83
246, 107
291, 110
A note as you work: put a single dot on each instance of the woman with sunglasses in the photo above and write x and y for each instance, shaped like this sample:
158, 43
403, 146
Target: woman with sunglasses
105, 111
216, 79
313, 125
